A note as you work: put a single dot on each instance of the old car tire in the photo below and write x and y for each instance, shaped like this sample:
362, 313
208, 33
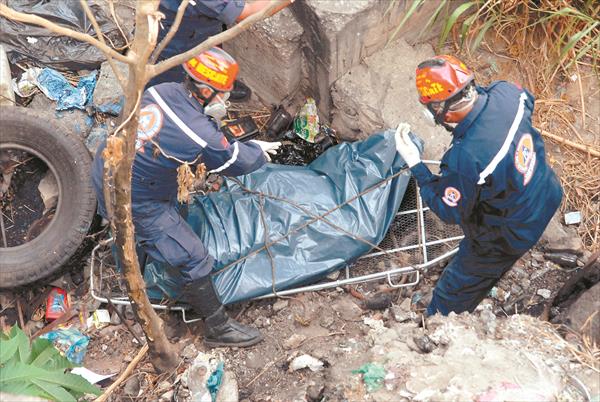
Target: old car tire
68, 158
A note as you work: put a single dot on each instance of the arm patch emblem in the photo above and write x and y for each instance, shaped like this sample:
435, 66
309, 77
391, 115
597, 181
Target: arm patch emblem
451, 196
525, 158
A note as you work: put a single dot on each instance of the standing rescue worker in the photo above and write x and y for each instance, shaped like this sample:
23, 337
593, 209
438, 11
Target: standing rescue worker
494, 182
178, 124
201, 20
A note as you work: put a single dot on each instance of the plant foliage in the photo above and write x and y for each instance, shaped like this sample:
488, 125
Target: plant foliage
565, 31
38, 369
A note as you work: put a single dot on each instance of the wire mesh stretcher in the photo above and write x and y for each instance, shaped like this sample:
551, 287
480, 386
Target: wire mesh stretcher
416, 240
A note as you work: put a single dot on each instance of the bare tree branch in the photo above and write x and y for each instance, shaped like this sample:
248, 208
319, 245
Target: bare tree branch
215, 40
172, 31
9, 13
111, 7
94, 22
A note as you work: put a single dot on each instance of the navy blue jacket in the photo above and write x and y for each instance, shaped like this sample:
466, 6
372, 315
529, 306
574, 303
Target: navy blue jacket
495, 182
173, 119
201, 19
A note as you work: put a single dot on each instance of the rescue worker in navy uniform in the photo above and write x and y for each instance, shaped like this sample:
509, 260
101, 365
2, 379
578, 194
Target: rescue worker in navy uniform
181, 121
494, 180
201, 20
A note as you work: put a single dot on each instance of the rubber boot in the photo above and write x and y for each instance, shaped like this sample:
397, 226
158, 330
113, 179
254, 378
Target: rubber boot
220, 329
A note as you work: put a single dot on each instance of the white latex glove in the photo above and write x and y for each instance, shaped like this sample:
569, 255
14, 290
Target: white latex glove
405, 147
268, 148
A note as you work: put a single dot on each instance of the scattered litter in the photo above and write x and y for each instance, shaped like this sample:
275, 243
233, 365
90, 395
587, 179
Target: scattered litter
215, 380
378, 301
48, 189
27, 85
424, 343
196, 377
306, 361
56, 87
545, 293
373, 375
573, 218
99, 319
57, 303
376, 325
25, 42
279, 121
89, 375
566, 260
70, 341
306, 123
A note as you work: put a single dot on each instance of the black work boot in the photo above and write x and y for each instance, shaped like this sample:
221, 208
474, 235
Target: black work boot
240, 92
221, 330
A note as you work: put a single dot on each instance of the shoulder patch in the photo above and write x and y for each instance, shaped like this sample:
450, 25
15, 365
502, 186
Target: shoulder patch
149, 124
525, 157
451, 196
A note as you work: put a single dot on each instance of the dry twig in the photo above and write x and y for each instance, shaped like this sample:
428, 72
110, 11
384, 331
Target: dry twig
124, 375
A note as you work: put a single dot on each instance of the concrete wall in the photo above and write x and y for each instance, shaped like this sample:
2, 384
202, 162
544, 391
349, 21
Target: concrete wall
315, 47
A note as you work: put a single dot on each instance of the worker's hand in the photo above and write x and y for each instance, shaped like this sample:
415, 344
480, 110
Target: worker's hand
268, 148
405, 147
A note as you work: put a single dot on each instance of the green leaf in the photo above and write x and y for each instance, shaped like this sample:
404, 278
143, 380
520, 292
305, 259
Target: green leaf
413, 7
55, 392
575, 38
20, 388
17, 371
479, 38
433, 17
452, 20
76, 383
466, 25
7, 349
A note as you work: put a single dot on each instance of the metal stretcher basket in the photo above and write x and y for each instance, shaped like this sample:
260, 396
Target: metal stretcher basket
416, 237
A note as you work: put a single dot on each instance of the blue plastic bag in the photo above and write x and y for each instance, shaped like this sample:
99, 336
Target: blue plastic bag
56, 87
69, 341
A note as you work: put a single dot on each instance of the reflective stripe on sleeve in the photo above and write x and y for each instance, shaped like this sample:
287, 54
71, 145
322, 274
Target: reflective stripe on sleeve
509, 139
231, 161
188, 131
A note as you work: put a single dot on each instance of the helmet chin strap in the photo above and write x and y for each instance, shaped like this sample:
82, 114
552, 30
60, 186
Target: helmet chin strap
190, 86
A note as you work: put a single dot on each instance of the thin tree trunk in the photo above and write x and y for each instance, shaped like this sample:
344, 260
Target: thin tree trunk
162, 353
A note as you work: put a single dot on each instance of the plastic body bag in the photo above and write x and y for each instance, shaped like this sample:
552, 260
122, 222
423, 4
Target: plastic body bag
229, 222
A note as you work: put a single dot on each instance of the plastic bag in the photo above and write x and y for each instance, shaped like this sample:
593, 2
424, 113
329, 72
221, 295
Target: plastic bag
33, 43
57, 88
373, 375
69, 341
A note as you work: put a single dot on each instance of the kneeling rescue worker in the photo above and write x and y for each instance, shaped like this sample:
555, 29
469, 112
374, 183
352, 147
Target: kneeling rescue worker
182, 119
494, 180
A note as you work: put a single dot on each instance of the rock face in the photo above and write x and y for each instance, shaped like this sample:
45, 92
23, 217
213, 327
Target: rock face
270, 57
559, 238
586, 306
307, 47
380, 92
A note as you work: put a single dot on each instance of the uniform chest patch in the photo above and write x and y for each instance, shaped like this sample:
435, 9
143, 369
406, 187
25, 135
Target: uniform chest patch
149, 124
525, 158
451, 196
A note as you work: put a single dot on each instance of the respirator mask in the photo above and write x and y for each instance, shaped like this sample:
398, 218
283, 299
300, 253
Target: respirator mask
217, 109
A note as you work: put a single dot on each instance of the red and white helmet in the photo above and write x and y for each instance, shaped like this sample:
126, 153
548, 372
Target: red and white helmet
215, 68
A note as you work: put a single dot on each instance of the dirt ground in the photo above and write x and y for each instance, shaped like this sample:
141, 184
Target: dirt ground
506, 350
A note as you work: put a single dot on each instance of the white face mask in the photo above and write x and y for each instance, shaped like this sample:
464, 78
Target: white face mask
217, 109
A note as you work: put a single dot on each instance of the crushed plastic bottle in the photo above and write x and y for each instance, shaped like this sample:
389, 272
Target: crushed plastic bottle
306, 123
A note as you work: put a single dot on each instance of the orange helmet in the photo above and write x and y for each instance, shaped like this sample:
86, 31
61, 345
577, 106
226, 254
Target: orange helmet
441, 77
214, 67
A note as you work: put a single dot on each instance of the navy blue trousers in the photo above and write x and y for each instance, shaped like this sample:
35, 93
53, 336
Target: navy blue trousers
469, 277
163, 234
